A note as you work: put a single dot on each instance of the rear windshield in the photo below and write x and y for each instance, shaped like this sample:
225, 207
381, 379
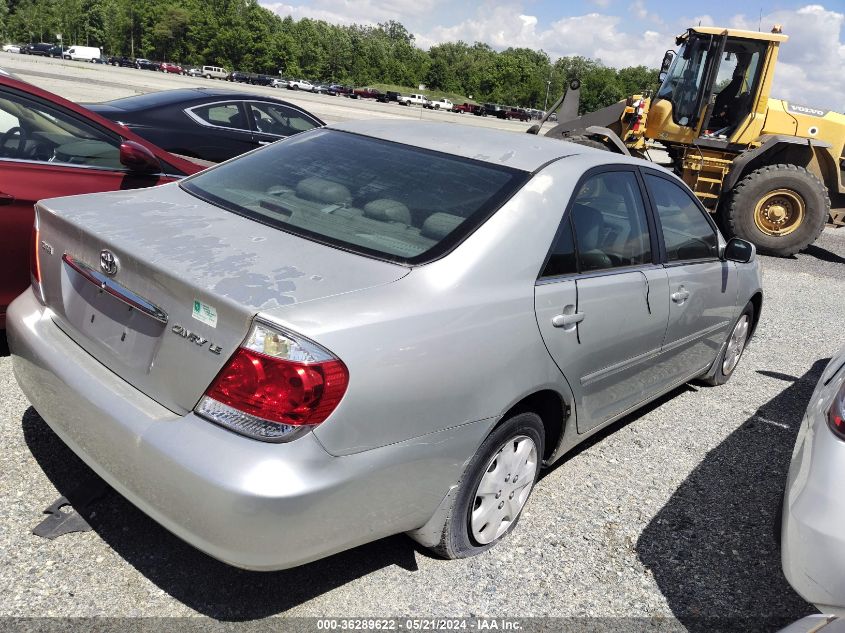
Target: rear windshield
373, 197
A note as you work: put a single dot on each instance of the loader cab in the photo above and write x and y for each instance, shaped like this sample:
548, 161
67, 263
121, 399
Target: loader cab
714, 87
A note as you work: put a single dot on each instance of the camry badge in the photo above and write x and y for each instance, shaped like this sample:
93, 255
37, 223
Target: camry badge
108, 262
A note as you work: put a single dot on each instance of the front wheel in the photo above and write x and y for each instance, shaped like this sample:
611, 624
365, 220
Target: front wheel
782, 209
494, 487
734, 347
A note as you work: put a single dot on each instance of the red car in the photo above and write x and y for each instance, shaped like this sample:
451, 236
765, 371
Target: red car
51, 147
168, 67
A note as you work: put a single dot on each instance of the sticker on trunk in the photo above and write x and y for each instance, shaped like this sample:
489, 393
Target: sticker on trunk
205, 313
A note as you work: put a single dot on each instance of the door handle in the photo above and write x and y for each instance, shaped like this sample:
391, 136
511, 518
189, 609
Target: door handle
6, 199
681, 295
567, 320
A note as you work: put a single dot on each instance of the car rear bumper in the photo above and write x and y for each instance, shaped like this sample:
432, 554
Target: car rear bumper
813, 524
250, 504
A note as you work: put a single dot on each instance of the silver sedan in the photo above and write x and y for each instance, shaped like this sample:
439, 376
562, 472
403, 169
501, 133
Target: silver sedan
372, 328
812, 538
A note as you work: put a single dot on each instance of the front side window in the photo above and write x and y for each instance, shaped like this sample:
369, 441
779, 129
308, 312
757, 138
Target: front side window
30, 130
375, 197
562, 259
226, 115
610, 223
683, 83
279, 120
687, 234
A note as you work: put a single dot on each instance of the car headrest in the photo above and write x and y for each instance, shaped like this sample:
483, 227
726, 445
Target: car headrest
387, 210
588, 224
322, 190
439, 225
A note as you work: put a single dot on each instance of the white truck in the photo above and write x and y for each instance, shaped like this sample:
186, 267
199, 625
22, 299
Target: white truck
412, 99
82, 53
439, 104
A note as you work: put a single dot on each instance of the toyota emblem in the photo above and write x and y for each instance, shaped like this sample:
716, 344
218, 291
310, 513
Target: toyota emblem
108, 262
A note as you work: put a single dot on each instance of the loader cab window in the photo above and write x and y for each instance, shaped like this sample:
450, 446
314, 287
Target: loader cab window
737, 81
684, 82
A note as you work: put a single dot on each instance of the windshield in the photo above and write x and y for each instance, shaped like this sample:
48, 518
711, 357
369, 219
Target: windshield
370, 196
683, 83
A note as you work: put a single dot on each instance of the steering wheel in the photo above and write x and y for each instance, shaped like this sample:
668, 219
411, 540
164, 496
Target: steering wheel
21, 140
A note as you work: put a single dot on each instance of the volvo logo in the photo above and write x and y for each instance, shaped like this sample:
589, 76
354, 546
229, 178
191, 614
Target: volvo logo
108, 262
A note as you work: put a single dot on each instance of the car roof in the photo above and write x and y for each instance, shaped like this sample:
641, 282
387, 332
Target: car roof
163, 98
526, 152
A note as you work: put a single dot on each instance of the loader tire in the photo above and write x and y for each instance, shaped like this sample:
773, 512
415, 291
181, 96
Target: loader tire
782, 209
586, 141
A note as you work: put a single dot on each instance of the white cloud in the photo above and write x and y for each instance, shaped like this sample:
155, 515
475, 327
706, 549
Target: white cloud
357, 11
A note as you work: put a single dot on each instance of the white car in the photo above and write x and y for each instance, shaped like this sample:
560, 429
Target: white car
11, 48
415, 99
300, 84
439, 104
812, 541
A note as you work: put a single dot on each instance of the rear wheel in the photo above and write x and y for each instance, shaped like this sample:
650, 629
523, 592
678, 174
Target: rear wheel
782, 209
494, 488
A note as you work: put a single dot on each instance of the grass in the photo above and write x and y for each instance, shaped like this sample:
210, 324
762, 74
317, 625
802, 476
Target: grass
455, 98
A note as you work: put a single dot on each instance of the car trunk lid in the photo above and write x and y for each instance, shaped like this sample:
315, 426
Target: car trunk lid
188, 279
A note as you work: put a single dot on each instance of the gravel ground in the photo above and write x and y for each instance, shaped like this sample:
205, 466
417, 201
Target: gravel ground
668, 515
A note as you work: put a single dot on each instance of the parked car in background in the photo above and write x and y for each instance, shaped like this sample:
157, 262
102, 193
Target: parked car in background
12, 48
194, 72
261, 80
238, 77
367, 93
812, 541
51, 147
170, 67
300, 304
208, 123
491, 109
467, 107
279, 83
342, 90
122, 60
214, 72
513, 113
100, 60
43, 49
389, 96
300, 84
413, 99
439, 104
325, 89
82, 53
147, 64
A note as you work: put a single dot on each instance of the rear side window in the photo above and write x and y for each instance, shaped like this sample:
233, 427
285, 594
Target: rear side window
611, 229
687, 234
279, 120
221, 115
375, 197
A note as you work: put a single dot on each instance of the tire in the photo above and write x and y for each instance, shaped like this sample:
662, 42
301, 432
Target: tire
586, 141
730, 356
461, 537
207, 76
801, 193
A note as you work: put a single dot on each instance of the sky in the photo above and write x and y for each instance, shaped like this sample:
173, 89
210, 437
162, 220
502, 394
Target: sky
811, 68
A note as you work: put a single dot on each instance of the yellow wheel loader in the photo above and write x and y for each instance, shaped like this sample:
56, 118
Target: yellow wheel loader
771, 171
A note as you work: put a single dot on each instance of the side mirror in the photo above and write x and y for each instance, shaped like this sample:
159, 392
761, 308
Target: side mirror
138, 158
739, 250
668, 58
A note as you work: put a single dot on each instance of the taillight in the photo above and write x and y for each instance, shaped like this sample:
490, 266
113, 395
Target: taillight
35, 261
836, 413
275, 384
